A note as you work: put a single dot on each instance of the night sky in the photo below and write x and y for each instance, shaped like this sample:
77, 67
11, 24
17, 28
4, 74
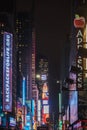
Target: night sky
52, 23
52, 20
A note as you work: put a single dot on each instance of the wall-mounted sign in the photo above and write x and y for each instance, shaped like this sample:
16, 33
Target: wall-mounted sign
7, 72
79, 24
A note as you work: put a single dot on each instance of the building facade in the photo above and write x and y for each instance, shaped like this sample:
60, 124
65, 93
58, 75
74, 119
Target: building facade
76, 111
43, 87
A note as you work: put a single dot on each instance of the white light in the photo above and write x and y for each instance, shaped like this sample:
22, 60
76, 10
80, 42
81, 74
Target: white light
38, 76
45, 101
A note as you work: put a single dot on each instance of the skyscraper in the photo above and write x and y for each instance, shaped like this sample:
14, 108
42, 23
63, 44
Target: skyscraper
26, 51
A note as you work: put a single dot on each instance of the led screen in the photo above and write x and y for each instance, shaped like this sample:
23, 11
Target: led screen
78, 125
45, 102
12, 121
82, 106
67, 113
46, 109
7, 71
73, 101
73, 77
43, 77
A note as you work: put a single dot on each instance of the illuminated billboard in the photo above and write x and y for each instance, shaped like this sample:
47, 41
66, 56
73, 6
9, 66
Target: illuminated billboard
45, 103
79, 24
39, 110
7, 72
73, 101
12, 121
45, 93
44, 77
73, 77
82, 106
46, 109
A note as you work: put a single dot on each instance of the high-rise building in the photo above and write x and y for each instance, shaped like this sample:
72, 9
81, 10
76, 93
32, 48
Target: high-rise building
8, 6
24, 53
26, 41
43, 87
26, 48
41, 70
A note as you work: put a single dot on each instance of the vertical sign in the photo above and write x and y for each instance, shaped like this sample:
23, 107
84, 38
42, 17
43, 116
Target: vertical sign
79, 60
79, 24
7, 72
23, 92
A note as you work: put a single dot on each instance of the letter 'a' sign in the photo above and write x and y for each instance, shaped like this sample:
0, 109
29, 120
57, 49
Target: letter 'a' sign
7, 71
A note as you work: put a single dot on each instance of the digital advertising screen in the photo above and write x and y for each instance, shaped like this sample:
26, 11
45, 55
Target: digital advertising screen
73, 101
7, 71
73, 77
45, 93
82, 106
12, 121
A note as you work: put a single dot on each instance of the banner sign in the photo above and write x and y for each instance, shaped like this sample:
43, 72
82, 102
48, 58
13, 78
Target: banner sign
7, 72
79, 24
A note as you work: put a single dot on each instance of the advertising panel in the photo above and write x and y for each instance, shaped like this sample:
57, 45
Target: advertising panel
79, 24
45, 103
33, 107
77, 125
28, 120
82, 105
45, 94
73, 77
39, 110
44, 77
46, 109
7, 72
73, 101
80, 125
12, 121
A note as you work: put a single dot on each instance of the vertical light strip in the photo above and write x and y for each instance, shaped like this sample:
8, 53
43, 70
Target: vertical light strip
60, 99
23, 90
27, 84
